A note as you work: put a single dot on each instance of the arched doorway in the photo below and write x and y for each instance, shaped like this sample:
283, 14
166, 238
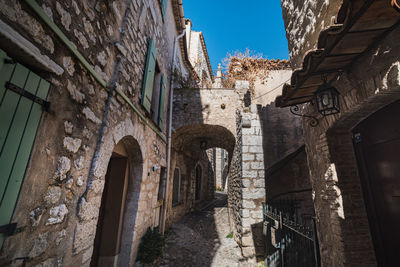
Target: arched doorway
198, 182
119, 205
377, 146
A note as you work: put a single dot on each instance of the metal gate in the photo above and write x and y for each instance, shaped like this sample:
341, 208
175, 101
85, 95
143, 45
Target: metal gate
289, 242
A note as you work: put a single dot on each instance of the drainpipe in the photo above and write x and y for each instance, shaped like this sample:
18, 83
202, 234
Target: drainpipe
171, 96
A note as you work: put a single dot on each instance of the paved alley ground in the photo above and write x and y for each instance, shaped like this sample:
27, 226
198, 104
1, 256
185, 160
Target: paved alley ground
200, 239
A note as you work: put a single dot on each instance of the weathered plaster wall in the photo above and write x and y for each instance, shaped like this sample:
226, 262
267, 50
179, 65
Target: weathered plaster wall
58, 206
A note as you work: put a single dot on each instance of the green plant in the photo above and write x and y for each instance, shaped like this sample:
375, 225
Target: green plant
151, 246
230, 235
218, 188
262, 264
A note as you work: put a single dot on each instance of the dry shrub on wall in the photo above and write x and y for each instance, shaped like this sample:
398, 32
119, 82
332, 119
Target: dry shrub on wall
249, 66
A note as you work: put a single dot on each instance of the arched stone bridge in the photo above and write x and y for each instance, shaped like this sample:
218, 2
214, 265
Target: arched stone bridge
205, 114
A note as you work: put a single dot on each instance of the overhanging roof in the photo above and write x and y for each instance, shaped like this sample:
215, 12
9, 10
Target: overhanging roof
360, 24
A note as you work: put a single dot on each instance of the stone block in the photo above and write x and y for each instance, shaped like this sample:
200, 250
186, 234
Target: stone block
252, 140
248, 157
248, 252
247, 222
84, 235
256, 214
64, 165
53, 195
248, 204
255, 123
256, 149
39, 245
260, 156
248, 130
255, 193
87, 255
249, 174
244, 213
259, 183
247, 241
246, 183
89, 209
57, 214
257, 165
246, 166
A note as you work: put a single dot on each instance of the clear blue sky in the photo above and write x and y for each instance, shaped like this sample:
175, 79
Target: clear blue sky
231, 25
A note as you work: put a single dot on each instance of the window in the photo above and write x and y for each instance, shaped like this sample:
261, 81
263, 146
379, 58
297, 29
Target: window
153, 90
176, 191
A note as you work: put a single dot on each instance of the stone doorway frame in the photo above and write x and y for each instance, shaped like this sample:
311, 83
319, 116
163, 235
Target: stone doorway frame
134, 152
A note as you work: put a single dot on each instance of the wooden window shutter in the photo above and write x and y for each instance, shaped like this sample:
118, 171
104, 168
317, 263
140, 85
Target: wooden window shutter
161, 103
20, 117
164, 5
148, 79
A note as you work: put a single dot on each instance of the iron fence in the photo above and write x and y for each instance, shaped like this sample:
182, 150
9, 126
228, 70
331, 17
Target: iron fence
289, 241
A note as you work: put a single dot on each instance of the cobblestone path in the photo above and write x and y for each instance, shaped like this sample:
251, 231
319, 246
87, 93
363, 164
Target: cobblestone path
200, 239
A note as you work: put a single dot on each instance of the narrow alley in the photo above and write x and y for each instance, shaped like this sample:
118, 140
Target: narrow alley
202, 238
199, 133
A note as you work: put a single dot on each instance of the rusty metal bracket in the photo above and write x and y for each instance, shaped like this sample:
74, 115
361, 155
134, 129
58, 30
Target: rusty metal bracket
295, 110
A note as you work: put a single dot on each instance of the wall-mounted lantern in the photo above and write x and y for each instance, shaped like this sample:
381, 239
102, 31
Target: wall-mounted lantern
327, 98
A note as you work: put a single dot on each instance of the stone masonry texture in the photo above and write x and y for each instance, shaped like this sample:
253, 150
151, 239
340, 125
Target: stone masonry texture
372, 83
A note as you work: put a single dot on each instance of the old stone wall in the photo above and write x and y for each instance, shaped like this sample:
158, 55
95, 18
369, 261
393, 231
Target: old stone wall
61, 194
304, 20
342, 224
205, 106
235, 183
187, 164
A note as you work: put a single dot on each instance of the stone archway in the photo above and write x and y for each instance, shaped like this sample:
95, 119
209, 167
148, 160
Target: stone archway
189, 150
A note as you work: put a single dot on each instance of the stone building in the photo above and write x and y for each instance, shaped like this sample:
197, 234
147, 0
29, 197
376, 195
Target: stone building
352, 153
84, 100
198, 55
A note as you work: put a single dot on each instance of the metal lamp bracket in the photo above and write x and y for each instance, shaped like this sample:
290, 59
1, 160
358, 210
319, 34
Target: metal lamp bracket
295, 110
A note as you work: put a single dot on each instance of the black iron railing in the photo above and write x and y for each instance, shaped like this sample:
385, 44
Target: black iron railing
289, 241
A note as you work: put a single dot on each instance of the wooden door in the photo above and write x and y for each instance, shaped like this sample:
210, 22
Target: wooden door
110, 223
377, 145
19, 120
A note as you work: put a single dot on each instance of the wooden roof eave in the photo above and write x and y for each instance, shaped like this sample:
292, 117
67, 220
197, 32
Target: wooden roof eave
333, 42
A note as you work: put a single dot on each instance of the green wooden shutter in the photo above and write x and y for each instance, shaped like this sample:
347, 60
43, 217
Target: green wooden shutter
164, 5
161, 102
148, 79
19, 120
